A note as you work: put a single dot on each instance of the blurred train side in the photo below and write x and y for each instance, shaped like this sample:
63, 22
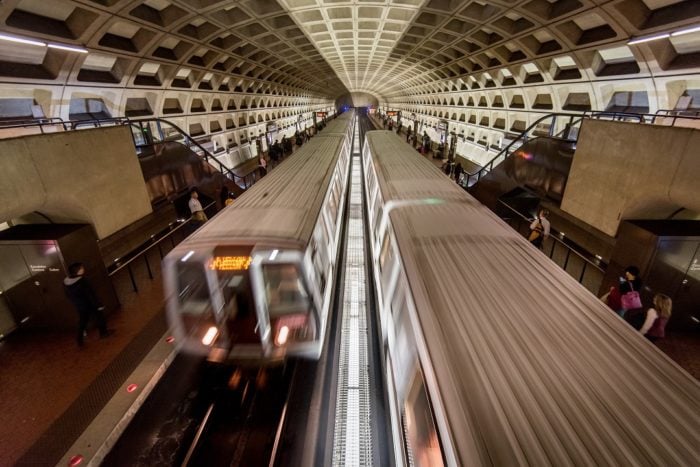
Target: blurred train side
287, 224
494, 356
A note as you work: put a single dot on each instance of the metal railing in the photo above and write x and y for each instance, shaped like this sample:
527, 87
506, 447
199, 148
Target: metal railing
121, 264
149, 132
659, 117
567, 133
141, 138
587, 271
535, 130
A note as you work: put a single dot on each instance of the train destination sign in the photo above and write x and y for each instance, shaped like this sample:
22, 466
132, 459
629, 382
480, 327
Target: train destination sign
230, 263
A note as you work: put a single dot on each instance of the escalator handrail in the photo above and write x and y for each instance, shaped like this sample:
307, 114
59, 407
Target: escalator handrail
524, 138
207, 155
613, 115
99, 122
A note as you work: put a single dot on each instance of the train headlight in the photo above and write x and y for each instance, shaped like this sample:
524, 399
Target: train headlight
211, 334
282, 336
292, 329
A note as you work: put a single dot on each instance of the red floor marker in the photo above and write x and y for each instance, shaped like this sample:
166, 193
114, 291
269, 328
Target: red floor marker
131, 388
170, 339
75, 460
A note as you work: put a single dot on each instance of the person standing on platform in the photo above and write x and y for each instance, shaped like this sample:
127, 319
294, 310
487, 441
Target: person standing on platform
224, 195
656, 318
458, 171
262, 165
80, 293
539, 229
630, 287
195, 206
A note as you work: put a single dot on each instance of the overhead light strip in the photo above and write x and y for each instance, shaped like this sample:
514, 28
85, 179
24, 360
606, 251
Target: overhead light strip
663, 35
686, 31
22, 40
69, 48
641, 40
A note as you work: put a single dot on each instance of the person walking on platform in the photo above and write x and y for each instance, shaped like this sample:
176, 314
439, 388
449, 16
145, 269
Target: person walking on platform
80, 293
196, 209
539, 229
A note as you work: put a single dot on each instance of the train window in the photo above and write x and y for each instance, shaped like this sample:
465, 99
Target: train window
333, 207
318, 267
196, 313
398, 302
422, 440
284, 289
385, 253
371, 180
377, 215
336, 184
387, 260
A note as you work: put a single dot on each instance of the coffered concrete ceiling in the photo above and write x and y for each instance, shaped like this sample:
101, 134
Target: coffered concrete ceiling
329, 48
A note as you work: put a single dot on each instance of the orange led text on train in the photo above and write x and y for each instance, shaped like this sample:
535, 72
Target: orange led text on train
230, 263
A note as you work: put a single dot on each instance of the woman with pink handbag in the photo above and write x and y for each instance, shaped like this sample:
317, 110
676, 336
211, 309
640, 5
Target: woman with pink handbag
630, 286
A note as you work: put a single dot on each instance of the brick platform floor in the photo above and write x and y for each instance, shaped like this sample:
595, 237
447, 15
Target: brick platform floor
44, 372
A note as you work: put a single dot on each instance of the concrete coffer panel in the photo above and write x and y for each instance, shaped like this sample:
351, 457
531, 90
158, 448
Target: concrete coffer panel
90, 176
632, 171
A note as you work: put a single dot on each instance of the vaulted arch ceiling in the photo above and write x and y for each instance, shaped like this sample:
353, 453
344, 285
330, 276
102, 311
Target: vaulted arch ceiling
394, 49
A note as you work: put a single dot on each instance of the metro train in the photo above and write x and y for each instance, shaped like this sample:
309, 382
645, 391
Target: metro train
254, 283
494, 356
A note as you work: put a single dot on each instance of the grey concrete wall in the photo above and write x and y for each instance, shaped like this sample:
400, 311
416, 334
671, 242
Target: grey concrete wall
90, 176
632, 171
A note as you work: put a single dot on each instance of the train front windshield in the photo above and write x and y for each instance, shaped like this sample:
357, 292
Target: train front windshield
238, 300
288, 304
216, 301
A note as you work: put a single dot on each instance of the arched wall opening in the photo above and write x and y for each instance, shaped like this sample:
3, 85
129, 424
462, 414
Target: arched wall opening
357, 99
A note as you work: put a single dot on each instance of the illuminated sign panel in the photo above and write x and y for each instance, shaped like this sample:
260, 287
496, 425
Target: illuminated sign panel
230, 263
392, 113
321, 114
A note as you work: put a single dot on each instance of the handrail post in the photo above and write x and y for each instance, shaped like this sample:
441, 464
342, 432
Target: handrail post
552, 125
148, 265
131, 276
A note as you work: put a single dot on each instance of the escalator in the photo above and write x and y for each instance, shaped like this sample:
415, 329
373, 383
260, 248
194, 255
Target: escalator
537, 161
173, 162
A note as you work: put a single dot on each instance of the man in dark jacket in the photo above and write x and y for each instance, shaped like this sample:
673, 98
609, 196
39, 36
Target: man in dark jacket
81, 294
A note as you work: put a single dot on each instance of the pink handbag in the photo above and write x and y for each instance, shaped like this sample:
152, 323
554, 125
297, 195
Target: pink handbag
631, 300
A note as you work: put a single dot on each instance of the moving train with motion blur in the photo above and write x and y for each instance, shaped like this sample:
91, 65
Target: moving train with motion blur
493, 355
254, 284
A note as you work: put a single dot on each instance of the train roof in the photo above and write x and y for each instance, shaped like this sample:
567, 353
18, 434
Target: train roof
283, 205
530, 366
401, 180
337, 126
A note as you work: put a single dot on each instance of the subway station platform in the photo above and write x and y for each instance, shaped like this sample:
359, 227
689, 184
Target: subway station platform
51, 390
